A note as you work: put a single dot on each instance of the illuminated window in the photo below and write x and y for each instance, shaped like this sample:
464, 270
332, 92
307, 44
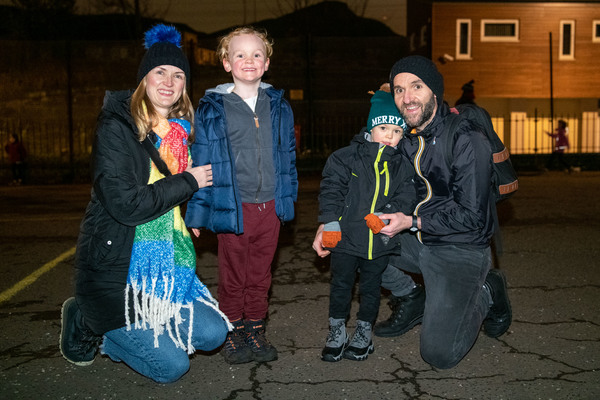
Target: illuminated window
566, 46
463, 39
499, 30
596, 31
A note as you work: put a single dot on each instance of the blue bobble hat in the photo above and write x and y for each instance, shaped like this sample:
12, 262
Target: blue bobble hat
164, 48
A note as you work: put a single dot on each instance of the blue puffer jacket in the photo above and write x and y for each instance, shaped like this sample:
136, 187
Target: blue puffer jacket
219, 207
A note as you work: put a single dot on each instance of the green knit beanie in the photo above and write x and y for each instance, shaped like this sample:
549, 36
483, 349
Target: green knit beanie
384, 111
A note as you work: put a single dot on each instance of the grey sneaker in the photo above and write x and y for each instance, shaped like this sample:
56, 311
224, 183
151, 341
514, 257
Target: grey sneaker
256, 340
362, 344
337, 340
235, 350
78, 344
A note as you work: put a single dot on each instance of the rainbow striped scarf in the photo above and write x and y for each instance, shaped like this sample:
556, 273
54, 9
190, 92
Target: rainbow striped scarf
162, 271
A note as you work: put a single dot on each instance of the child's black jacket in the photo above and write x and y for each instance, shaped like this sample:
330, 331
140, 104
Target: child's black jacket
360, 179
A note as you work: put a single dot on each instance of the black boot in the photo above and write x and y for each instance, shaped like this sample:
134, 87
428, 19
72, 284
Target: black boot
407, 311
78, 344
258, 343
235, 349
500, 314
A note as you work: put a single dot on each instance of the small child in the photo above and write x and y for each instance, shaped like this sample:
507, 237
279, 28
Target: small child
561, 144
245, 129
360, 181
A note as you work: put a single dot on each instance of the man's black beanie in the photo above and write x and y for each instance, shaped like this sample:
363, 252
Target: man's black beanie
425, 69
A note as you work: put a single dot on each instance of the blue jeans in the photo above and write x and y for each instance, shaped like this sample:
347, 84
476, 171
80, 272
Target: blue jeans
167, 363
456, 303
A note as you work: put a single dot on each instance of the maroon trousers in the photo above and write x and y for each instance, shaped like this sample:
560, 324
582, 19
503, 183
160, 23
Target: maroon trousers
245, 263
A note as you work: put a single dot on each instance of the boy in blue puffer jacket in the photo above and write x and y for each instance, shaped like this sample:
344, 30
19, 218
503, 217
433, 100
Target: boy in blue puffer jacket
245, 129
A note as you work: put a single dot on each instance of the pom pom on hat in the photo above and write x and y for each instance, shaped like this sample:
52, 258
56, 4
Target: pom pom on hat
164, 48
162, 33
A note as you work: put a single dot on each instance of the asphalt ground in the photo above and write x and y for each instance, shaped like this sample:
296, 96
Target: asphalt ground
551, 246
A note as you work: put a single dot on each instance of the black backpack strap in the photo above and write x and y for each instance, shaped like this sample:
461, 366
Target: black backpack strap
451, 124
453, 120
151, 150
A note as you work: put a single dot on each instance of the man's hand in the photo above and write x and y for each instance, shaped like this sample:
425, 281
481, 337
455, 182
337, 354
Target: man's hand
318, 243
398, 222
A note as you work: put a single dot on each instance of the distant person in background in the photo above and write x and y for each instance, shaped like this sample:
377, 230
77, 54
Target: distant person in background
136, 288
561, 143
468, 94
245, 129
16, 155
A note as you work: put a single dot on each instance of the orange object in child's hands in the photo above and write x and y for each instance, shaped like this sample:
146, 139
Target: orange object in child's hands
332, 234
374, 223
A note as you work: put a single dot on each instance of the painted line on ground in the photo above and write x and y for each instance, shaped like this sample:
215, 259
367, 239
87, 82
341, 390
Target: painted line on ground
31, 278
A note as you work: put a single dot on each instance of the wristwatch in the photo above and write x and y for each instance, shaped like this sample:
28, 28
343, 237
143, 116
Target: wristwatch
415, 226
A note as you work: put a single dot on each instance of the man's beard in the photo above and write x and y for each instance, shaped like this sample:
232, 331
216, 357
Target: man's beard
425, 116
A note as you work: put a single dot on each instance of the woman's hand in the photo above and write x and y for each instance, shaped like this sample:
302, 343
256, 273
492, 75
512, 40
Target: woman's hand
203, 174
196, 232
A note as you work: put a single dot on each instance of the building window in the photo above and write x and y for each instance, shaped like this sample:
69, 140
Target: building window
596, 31
566, 46
463, 39
499, 30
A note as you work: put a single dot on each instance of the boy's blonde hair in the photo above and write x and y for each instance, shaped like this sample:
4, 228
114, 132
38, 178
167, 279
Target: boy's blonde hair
223, 47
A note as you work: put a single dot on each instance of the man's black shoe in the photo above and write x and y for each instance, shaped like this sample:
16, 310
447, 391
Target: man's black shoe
407, 311
499, 316
78, 344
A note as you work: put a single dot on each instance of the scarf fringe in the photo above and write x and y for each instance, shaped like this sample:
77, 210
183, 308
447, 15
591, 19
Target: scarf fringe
156, 313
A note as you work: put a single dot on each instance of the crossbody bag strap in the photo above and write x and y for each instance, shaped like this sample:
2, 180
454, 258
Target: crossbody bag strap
151, 150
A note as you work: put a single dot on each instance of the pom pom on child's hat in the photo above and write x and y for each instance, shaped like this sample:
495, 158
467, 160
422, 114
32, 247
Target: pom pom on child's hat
164, 48
384, 110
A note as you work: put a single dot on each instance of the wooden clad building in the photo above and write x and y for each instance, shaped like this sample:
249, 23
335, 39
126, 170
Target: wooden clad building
528, 60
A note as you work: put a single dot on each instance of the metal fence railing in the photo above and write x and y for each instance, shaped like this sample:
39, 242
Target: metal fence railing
51, 145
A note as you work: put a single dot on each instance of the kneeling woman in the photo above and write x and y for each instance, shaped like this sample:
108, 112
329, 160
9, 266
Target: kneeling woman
137, 295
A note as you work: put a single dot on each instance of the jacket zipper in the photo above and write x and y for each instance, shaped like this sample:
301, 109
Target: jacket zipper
374, 202
417, 165
258, 157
